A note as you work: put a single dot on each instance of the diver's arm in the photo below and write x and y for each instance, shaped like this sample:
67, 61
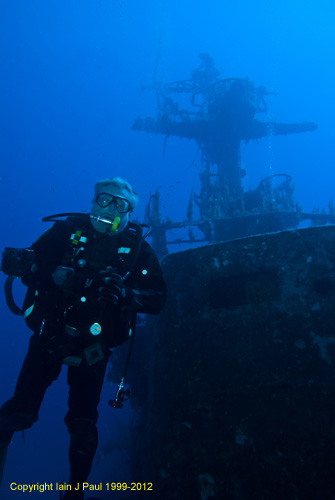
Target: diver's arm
49, 249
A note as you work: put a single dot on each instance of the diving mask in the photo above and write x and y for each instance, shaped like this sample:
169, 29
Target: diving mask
104, 200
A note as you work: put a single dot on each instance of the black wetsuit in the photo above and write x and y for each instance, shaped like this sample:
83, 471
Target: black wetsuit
61, 321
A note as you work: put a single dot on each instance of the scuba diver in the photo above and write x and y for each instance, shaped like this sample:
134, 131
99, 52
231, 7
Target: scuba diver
87, 277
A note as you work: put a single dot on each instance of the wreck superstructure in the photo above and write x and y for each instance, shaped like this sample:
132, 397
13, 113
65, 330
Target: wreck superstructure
218, 114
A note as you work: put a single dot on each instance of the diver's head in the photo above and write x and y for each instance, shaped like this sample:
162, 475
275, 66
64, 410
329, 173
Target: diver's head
114, 200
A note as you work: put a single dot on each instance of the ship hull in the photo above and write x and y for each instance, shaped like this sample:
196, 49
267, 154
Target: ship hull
241, 403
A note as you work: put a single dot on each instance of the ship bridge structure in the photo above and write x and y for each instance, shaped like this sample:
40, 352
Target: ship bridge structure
219, 114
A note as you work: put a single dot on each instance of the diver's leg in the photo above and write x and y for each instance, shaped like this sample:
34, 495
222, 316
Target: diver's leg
85, 384
21, 411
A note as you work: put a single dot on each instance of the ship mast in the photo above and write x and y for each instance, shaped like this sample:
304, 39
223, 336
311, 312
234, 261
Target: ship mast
221, 113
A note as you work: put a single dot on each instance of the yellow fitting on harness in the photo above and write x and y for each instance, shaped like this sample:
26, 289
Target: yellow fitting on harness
76, 237
116, 223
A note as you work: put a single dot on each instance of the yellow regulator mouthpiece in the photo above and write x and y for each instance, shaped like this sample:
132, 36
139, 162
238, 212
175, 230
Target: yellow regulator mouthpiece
116, 223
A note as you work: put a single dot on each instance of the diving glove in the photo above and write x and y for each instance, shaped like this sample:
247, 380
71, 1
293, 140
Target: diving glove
113, 288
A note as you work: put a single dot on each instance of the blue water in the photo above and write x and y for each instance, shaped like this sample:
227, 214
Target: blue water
70, 88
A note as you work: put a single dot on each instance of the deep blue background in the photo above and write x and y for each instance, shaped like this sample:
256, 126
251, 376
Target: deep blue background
70, 88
